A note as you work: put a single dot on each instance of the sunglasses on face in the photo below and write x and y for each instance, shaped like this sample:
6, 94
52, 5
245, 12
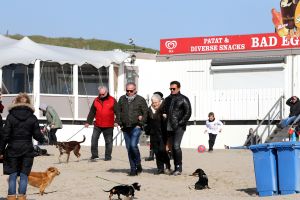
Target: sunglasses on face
130, 91
173, 89
103, 94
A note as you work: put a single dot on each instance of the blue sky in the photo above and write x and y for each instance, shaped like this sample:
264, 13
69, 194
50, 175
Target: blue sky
145, 21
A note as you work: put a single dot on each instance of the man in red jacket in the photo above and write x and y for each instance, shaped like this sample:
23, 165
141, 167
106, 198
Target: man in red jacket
103, 110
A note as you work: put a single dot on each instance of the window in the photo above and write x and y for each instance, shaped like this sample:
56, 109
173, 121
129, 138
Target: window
56, 78
249, 80
90, 78
17, 78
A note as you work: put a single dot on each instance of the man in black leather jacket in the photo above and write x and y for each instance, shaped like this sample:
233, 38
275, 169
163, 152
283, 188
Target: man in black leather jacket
177, 110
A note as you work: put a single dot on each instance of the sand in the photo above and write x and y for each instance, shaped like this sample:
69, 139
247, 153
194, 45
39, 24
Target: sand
230, 174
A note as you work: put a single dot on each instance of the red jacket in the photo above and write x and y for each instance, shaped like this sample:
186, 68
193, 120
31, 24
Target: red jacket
103, 111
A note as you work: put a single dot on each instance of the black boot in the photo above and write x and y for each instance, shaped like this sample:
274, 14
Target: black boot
151, 156
139, 169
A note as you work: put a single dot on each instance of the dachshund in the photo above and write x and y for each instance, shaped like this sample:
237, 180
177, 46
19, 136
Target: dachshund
126, 190
42, 179
67, 147
202, 183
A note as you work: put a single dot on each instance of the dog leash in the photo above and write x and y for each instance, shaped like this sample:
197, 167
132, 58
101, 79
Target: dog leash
109, 180
76, 133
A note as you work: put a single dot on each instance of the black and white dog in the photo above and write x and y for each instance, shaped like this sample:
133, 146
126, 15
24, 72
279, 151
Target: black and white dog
126, 190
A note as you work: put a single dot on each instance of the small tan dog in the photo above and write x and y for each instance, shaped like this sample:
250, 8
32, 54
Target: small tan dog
42, 179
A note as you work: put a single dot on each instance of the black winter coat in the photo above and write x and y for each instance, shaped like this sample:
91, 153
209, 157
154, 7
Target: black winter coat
127, 113
16, 139
155, 127
294, 107
178, 110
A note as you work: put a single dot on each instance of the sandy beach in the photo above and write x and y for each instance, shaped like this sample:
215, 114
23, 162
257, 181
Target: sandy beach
230, 174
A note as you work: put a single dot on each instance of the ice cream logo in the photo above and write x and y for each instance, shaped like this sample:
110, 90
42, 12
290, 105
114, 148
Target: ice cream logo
171, 45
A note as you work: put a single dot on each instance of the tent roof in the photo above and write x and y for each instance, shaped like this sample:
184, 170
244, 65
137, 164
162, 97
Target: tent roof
26, 51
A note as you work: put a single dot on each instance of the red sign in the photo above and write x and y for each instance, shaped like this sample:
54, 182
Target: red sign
232, 43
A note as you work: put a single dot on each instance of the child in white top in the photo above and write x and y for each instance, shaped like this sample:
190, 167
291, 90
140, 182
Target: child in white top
213, 127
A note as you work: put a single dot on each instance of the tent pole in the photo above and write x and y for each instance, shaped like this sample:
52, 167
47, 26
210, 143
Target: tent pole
1, 80
111, 79
75, 90
36, 87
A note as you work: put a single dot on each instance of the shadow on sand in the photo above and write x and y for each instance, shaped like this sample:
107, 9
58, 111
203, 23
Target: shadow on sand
126, 171
249, 191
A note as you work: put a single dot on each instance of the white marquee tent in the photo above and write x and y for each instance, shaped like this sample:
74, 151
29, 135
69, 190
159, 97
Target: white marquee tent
26, 51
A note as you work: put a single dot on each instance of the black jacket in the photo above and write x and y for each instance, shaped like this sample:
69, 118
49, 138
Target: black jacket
16, 137
294, 107
155, 124
127, 113
178, 110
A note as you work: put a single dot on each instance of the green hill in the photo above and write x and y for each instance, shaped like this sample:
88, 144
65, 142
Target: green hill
80, 43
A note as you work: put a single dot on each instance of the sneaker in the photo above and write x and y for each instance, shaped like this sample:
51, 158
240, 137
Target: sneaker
94, 159
132, 173
107, 159
176, 173
167, 171
159, 171
139, 169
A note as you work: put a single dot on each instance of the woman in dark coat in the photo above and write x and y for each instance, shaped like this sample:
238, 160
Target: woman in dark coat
16, 144
156, 129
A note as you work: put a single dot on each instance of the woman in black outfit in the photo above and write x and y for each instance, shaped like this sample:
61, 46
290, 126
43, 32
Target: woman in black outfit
16, 144
156, 129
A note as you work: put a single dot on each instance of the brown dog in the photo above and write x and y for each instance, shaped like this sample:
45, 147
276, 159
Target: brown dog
42, 179
67, 147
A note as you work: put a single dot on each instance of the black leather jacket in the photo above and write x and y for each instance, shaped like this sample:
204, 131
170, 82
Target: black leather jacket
178, 110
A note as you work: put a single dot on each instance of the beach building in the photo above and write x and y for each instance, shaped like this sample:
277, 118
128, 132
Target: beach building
239, 78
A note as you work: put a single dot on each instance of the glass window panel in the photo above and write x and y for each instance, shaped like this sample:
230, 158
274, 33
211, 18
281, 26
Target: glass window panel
56, 78
17, 78
90, 78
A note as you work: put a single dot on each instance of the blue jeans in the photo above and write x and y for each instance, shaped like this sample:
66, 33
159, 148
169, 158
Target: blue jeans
12, 183
287, 121
132, 137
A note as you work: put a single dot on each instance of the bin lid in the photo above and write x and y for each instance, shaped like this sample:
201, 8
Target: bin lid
293, 145
261, 146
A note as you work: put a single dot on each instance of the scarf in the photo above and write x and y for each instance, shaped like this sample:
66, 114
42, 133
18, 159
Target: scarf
130, 99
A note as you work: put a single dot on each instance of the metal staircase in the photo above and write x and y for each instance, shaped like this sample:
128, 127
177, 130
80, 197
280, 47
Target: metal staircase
270, 132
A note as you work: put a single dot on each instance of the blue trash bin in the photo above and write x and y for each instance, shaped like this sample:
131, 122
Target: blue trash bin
265, 167
288, 167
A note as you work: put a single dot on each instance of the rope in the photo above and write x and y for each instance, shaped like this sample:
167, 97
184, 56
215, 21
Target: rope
76, 133
109, 180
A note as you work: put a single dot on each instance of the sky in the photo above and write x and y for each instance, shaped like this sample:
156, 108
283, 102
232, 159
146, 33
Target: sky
145, 21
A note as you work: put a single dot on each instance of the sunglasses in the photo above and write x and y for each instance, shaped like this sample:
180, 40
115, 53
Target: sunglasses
173, 89
130, 91
103, 94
